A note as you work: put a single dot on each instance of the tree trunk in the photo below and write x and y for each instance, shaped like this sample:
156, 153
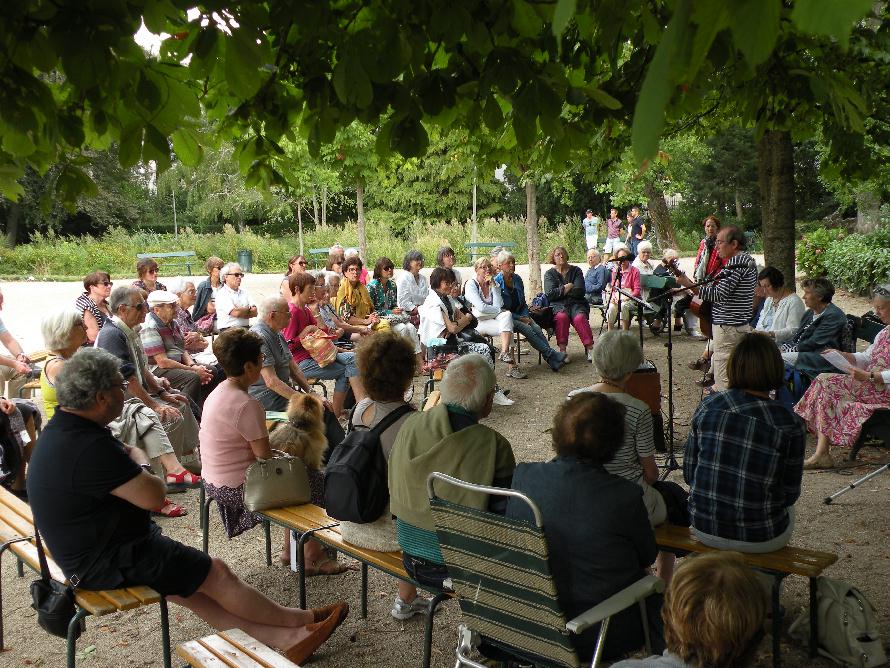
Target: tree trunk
300, 224
12, 224
315, 207
531, 236
324, 206
868, 212
360, 208
661, 217
738, 205
775, 176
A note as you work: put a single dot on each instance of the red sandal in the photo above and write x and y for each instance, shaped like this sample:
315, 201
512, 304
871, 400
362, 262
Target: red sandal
182, 480
170, 509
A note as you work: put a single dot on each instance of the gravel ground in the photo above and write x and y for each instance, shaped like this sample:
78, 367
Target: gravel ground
851, 527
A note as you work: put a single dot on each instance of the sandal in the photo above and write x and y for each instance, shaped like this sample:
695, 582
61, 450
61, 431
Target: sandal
329, 567
170, 509
701, 364
182, 480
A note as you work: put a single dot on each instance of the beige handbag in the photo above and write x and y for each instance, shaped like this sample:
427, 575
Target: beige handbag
276, 483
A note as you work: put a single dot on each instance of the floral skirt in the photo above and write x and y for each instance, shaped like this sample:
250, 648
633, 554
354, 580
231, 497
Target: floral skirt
235, 517
837, 405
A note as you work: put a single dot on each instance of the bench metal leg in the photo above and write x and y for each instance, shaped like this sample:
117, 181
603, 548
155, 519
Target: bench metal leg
301, 559
202, 495
777, 621
165, 632
814, 619
267, 529
3, 549
20, 567
76, 622
364, 590
428, 627
205, 523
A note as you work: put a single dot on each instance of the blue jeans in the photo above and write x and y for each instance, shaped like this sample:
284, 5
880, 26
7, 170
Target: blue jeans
425, 572
535, 336
340, 371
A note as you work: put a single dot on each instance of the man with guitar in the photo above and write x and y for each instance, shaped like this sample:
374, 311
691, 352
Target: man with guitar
732, 297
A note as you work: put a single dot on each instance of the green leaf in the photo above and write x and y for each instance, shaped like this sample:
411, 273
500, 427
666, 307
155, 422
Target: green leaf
525, 19
603, 98
19, 144
156, 147
409, 138
71, 127
834, 18
155, 15
492, 115
755, 27
242, 64
562, 14
130, 149
711, 18
147, 93
188, 150
72, 183
10, 188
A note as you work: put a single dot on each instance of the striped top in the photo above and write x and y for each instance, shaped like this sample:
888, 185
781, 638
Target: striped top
733, 294
419, 542
639, 441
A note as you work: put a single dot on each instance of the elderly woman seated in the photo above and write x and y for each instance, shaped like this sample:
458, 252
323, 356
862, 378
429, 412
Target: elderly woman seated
147, 270
188, 329
596, 278
713, 613
782, 309
327, 317
598, 533
383, 292
564, 287
93, 303
625, 279
353, 300
63, 335
207, 289
386, 363
821, 328
165, 348
744, 456
83, 477
837, 405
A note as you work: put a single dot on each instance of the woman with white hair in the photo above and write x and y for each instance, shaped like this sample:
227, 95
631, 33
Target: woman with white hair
644, 264
63, 334
487, 304
412, 287
233, 305
836, 406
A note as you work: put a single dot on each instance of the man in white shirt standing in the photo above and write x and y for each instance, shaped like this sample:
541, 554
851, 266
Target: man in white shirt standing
591, 224
233, 307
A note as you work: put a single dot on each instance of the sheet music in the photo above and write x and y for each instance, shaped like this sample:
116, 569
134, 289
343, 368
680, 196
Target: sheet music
837, 360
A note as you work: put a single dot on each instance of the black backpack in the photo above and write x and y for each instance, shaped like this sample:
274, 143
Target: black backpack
356, 485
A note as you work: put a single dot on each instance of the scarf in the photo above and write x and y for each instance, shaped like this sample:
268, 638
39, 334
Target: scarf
134, 344
701, 271
358, 298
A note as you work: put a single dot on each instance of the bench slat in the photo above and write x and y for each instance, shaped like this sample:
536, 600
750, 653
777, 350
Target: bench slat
195, 655
232, 655
265, 655
145, 595
93, 602
120, 599
793, 560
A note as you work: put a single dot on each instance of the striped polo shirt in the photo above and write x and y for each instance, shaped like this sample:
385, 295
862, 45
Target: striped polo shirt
733, 294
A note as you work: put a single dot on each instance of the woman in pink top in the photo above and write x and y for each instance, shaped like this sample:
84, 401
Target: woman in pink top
629, 282
233, 435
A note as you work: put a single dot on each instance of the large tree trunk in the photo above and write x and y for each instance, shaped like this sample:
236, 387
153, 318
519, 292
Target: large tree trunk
868, 212
531, 236
775, 176
360, 208
661, 217
12, 223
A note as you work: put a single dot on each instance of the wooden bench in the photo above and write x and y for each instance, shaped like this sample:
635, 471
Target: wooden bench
233, 648
17, 535
475, 250
433, 377
780, 564
37, 357
311, 522
186, 257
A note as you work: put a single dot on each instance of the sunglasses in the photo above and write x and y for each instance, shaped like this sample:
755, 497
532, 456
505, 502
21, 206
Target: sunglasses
237, 275
152, 271
880, 290
107, 284
302, 264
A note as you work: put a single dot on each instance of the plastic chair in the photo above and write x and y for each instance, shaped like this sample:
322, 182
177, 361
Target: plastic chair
499, 569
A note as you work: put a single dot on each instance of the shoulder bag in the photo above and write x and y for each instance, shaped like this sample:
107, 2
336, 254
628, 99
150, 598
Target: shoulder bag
276, 483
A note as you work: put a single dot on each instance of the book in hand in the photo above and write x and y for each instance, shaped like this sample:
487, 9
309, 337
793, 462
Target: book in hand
837, 360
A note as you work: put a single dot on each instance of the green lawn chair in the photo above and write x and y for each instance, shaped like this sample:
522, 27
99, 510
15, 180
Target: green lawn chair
499, 570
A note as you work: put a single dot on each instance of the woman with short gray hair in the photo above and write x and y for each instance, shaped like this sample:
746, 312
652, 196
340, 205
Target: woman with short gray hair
836, 405
412, 287
88, 374
63, 335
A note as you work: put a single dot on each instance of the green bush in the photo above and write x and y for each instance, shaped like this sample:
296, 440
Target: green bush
811, 250
858, 262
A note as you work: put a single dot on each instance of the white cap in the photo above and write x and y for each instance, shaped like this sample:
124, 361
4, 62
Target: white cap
159, 297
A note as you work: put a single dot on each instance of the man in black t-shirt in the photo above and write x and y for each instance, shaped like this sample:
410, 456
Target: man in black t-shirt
91, 496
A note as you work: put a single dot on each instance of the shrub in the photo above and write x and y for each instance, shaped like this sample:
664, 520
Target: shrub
811, 250
859, 262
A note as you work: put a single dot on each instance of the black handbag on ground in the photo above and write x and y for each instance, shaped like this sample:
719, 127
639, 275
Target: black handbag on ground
53, 601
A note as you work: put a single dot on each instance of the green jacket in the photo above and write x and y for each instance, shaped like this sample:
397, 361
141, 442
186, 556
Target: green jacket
425, 443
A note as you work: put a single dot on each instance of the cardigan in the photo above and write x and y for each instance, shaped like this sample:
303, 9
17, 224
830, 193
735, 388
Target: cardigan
782, 317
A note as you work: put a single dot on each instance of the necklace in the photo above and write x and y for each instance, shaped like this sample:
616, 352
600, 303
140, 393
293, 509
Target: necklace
603, 381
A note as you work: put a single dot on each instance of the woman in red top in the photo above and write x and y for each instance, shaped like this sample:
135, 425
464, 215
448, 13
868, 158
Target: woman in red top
343, 370
629, 282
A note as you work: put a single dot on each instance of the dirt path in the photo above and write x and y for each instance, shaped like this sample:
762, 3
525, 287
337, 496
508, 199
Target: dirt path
854, 527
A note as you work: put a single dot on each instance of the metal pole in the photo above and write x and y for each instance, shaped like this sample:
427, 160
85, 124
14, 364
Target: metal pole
175, 225
475, 229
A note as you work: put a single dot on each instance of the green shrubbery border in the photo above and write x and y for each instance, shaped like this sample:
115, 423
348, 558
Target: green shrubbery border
855, 262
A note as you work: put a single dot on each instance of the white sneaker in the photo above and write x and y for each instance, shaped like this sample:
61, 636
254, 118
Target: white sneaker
500, 399
402, 611
590, 355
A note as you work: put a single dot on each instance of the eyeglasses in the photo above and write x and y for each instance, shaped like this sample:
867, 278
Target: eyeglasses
302, 264
880, 290
152, 271
107, 284
191, 291
237, 275
389, 269
140, 306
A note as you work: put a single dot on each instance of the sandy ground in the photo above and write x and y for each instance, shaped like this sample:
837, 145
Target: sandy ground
852, 527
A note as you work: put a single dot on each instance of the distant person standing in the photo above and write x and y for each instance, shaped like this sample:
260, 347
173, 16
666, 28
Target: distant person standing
590, 224
613, 233
637, 229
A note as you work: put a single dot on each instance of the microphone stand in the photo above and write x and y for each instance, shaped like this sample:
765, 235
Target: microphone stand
615, 284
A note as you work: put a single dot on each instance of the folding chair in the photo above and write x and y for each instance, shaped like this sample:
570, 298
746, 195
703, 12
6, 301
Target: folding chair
499, 569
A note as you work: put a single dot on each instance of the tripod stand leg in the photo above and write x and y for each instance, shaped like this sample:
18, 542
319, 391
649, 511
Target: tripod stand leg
856, 483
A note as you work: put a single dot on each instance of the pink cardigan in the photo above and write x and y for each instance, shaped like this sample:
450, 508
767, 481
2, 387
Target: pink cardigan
630, 281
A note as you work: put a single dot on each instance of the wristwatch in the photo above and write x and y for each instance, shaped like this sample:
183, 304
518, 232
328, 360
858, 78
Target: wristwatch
147, 468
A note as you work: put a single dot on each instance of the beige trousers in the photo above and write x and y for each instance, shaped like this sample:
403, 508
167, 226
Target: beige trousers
725, 338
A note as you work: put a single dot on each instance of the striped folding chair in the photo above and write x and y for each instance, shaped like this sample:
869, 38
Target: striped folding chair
499, 570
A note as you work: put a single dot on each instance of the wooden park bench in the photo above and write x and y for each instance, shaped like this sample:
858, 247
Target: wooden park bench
231, 649
780, 564
17, 535
479, 249
37, 357
185, 259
